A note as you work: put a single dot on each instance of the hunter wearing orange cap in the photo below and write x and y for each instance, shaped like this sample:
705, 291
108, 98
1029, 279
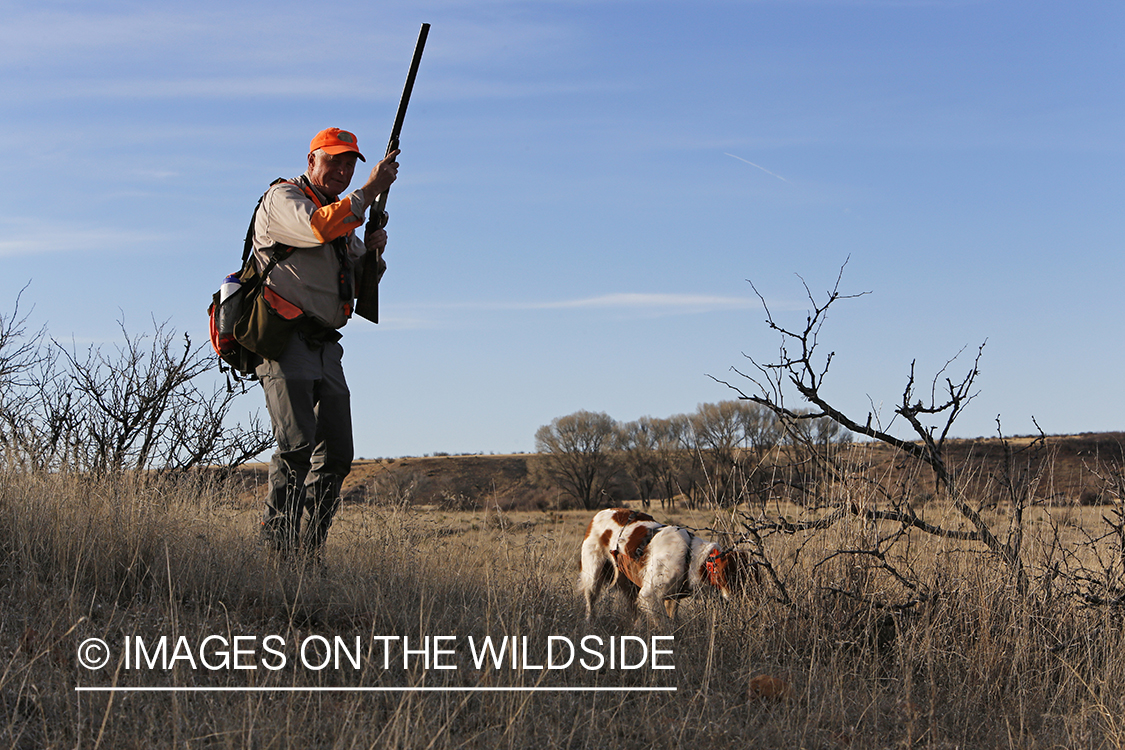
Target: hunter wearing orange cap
335, 141
315, 280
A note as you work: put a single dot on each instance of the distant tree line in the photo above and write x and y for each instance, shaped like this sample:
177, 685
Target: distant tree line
720, 455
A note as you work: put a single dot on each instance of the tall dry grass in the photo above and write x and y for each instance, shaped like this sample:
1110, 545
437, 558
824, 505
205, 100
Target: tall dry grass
978, 664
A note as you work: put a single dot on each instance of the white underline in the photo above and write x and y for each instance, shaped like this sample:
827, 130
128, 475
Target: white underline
81, 689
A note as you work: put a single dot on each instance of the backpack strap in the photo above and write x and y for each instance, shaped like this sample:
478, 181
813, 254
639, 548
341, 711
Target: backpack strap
279, 252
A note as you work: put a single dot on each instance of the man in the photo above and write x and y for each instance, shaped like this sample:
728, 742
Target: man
306, 394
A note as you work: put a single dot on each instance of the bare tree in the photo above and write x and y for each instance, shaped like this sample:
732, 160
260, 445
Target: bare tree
638, 442
729, 442
812, 453
672, 459
761, 431
719, 436
576, 452
801, 366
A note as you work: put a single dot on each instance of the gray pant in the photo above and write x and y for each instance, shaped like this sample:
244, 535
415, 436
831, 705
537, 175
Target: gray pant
310, 408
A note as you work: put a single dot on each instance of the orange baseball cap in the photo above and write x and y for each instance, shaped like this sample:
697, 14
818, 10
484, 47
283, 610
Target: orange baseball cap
335, 141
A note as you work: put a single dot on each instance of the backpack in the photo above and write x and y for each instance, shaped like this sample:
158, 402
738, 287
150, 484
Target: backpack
248, 321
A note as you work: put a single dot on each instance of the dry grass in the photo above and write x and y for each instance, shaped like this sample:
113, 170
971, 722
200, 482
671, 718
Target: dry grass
978, 665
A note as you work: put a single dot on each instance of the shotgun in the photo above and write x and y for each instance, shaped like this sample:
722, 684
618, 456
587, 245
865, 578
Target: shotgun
367, 292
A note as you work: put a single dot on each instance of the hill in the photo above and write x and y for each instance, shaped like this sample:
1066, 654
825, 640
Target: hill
477, 481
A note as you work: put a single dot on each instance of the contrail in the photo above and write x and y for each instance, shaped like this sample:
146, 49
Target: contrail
760, 167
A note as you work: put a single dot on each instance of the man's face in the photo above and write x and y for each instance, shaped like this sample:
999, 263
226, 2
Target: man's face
332, 173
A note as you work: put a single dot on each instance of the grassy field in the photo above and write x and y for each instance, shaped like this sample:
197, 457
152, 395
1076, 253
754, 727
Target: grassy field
868, 663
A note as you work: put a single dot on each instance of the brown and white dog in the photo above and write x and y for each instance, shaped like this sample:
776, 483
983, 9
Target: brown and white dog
652, 563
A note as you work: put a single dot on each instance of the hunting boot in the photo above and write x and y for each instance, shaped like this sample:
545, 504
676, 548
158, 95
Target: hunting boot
322, 500
281, 526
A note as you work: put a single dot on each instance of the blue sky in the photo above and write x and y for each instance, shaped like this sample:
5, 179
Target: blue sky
587, 187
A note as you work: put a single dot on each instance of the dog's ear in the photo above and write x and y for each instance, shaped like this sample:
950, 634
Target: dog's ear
732, 569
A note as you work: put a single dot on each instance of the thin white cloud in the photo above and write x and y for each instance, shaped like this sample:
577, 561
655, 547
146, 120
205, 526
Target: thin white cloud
61, 241
436, 316
651, 303
637, 301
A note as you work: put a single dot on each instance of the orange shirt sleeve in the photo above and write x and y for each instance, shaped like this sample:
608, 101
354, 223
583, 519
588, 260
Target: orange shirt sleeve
334, 220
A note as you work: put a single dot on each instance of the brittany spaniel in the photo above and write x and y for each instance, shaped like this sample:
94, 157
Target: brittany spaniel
652, 563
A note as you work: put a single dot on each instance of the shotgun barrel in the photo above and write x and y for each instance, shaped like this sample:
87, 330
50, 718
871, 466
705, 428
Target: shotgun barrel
367, 290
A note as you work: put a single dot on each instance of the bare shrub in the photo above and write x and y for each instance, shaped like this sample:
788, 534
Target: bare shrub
141, 406
1092, 568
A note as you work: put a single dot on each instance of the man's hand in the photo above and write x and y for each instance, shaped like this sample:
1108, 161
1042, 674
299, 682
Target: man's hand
375, 241
382, 176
